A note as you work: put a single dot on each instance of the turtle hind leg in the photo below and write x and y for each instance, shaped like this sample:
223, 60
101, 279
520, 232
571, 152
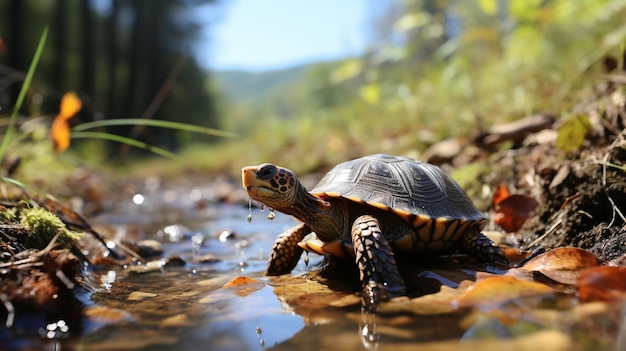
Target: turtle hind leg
286, 252
376, 263
483, 249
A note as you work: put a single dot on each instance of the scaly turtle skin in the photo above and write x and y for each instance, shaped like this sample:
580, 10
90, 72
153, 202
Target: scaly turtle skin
372, 208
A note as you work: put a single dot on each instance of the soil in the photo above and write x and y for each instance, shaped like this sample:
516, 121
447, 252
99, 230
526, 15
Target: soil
582, 204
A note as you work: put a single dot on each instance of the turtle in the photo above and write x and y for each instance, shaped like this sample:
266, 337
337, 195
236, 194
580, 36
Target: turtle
375, 208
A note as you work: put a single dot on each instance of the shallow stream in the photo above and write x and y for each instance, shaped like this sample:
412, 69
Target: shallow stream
216, 297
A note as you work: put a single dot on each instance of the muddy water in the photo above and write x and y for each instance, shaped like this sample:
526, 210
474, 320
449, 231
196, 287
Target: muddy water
216, 297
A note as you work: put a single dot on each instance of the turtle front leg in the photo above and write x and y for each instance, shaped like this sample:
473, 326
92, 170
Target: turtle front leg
375, 260
482, 248
286, 252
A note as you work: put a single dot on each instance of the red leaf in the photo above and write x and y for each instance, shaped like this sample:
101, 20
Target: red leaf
512, 212
602, 284
501, 193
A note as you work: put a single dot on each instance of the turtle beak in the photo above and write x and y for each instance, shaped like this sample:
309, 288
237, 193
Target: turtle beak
248, 176
256, 188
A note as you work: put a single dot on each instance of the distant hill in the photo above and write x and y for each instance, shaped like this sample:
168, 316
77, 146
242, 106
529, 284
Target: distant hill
251, 88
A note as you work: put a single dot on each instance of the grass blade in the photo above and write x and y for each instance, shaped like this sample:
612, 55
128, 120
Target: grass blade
153, 123
22, 95
123, 140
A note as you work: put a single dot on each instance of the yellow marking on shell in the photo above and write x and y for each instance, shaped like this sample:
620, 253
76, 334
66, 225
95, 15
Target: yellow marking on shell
424, 231
327, 194
441, 226
421, 221
451, 230
382, 207
355, 199
461, 229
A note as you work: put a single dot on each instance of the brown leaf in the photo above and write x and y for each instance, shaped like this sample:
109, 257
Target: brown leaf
602, 284
493, 292
562, 264
244, 286
512, 212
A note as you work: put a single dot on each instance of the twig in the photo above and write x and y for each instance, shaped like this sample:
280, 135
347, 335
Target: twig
548, 232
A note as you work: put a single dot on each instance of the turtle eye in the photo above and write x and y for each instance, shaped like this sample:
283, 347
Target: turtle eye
266, 171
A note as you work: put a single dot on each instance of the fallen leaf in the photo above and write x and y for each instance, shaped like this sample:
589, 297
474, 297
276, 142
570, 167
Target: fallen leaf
441, 302
493, 292
602, 284
501, 193
562, 264
244, 286
512, 212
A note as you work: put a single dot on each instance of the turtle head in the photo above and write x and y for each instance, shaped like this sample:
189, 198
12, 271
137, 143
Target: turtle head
274, 186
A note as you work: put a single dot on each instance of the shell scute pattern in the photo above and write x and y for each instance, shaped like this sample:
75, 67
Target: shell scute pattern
416, 191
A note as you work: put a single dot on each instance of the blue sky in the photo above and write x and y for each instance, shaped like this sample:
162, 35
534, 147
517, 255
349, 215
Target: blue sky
257, 35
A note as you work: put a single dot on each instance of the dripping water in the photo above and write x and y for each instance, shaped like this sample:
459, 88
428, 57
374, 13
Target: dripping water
249, 209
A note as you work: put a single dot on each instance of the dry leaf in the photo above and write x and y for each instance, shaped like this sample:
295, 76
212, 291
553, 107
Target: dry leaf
493, 292
562, 264
602, 284
512, 212
244, 286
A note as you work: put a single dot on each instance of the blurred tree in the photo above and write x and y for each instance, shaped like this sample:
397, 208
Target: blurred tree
126, 58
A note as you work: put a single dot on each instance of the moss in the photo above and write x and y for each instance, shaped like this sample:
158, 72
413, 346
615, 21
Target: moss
8, 215
43, 225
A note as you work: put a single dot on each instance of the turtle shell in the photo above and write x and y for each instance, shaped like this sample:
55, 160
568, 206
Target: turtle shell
420, 193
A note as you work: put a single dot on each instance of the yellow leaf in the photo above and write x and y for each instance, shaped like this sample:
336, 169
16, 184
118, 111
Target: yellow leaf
371, 93
489, 7
572, 133
348, 70
70, 105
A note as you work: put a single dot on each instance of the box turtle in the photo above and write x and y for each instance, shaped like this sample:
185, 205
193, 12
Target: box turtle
372, 208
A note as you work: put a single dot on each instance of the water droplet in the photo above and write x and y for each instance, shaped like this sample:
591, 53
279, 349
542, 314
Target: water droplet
262, 207
306, 258
271, 215
249, 209
259, 331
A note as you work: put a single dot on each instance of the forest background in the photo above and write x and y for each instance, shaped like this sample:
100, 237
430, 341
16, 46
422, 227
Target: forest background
434, 69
